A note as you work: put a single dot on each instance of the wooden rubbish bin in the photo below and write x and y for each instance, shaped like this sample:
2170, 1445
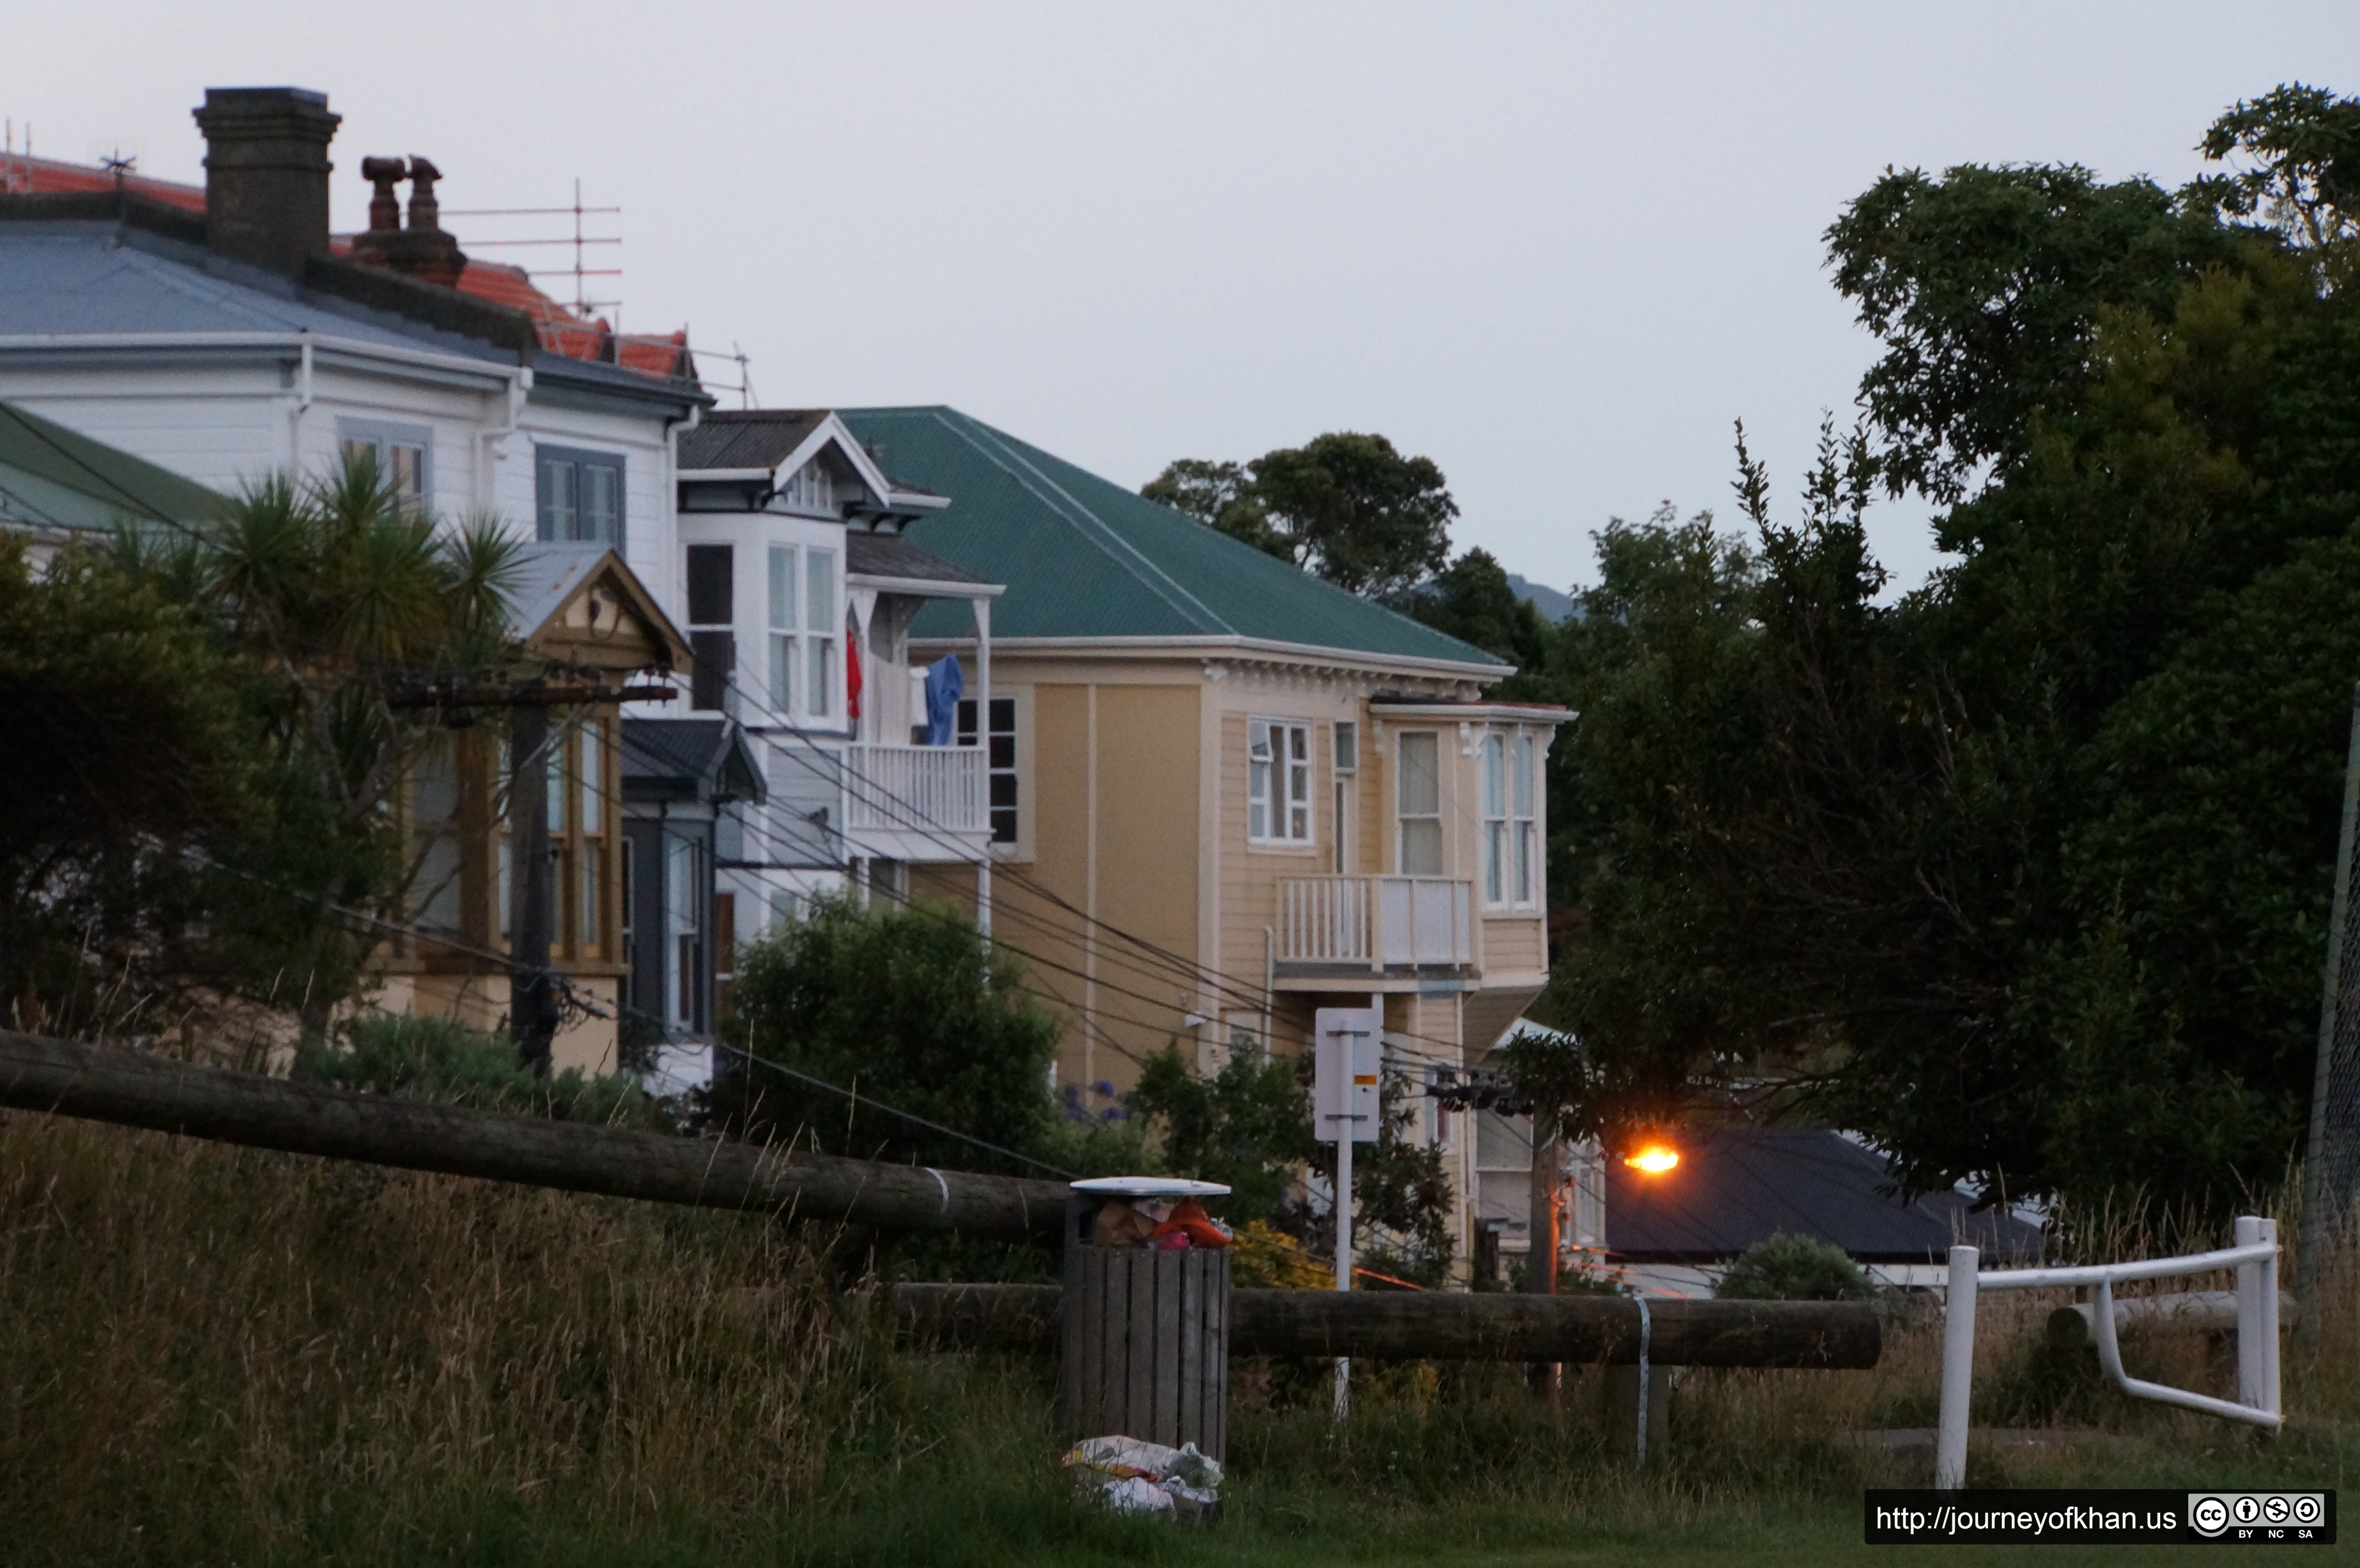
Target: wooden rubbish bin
1146, 1345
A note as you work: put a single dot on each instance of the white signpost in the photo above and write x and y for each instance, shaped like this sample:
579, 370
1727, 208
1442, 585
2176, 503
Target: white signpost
1349, 1056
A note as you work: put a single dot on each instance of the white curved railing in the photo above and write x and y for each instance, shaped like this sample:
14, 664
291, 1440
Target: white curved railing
2255, 1259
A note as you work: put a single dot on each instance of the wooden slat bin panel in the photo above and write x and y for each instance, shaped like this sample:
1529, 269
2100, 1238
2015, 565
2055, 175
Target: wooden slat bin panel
1146, 1345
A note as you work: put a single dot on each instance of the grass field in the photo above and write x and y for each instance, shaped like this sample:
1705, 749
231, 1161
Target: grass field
216, 1356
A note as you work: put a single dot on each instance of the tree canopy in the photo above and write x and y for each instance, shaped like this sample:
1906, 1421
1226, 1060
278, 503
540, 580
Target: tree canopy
1350, 508
2025, 873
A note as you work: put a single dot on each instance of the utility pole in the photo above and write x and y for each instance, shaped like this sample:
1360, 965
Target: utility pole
1544, 1191
533, 988
2330, 1156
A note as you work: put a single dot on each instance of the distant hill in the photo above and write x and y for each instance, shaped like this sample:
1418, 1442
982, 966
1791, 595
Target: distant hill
1557, 606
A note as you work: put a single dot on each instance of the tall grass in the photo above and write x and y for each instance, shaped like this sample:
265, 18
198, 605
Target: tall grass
211, 1354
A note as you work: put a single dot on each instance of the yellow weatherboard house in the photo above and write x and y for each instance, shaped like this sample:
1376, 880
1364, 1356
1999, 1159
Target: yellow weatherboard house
1226, 793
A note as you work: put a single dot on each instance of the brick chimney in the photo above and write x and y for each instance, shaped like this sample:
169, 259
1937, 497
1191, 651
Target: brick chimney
267, 174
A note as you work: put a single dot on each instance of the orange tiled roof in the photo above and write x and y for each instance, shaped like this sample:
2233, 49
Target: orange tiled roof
562, 332
24, 175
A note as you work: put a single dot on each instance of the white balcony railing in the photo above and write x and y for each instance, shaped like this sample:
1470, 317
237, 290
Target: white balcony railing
1376, 922
916, 789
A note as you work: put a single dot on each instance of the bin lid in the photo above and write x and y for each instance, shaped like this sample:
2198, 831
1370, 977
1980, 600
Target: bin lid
1150, 1187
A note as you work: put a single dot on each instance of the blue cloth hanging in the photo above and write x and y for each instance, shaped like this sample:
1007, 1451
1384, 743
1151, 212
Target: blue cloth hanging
946, 684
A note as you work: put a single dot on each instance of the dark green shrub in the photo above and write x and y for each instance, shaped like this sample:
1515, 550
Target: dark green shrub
436, 1058
1795, 1268
888, 1006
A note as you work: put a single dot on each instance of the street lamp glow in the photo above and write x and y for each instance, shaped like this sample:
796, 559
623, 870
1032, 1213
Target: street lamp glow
1653, 1159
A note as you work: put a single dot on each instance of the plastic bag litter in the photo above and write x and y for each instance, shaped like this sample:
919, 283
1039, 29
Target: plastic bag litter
1133, 1475
1150, 1222
1137, 1495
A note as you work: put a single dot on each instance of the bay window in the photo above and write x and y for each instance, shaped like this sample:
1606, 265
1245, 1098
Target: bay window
802, 631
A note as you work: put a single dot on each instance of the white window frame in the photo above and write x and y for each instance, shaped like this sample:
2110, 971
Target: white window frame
1524, 789
802, 631
380, 437
1404, 819
1498, 887
1279, 777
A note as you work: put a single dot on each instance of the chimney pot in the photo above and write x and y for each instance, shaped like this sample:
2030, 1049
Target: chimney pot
385, 207
422, 250
425, 211
267, 174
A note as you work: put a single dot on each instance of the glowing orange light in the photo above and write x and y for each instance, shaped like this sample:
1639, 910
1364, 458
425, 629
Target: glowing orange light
1653, 1159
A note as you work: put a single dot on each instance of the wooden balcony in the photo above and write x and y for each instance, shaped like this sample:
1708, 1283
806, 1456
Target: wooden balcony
917, 803
1342, 927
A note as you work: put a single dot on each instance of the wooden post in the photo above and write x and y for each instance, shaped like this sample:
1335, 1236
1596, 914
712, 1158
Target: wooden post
1405, 1325
532, 985
132, 1088
1544, 1246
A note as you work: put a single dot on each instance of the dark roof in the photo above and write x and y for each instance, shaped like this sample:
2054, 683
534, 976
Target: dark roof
890, 555
1085, 558
52, 478
87, 277
689, 759
747, 438
1735, 1186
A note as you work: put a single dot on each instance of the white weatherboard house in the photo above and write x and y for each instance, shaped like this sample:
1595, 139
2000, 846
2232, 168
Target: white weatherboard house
229, 343
801, 592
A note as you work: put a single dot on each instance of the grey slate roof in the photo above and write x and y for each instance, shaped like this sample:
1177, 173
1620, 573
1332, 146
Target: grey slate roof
1735, 1186
890, 555
1086, 557
80, 276
84, 278
755, 437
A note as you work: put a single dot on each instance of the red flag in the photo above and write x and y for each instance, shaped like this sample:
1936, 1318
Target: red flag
851, 667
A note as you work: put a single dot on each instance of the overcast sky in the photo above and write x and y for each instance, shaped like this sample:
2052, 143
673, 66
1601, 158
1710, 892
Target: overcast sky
1558, 248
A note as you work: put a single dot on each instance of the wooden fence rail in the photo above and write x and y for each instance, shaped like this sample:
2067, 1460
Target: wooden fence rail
1438, 1326
132, 1088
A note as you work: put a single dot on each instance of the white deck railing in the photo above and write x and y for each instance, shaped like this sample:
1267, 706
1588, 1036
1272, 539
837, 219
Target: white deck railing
922, 788
2255, 1259
1376, 922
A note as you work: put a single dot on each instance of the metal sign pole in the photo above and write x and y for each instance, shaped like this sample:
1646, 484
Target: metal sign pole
1348, 1045
1344, 1257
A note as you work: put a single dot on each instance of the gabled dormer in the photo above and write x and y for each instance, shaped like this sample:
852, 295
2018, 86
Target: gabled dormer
793, 463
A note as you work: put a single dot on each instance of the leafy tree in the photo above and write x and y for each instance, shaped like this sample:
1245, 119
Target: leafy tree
1348, 508
1222, 497
134, 768
2303, 176
909, 1006
1985, 286
2025, 873
1471, 600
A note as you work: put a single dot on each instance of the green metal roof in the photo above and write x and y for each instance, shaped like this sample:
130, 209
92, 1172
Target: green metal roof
53, 478
1085, 558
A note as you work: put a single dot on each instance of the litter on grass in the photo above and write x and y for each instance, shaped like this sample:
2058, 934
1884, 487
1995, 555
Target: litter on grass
1131, 1475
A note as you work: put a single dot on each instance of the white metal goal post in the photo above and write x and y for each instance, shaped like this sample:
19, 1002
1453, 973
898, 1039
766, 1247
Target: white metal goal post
2256, 1258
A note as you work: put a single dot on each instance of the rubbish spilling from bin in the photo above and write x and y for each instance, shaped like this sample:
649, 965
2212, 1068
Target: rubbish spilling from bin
1156, 1224
1133, 1476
